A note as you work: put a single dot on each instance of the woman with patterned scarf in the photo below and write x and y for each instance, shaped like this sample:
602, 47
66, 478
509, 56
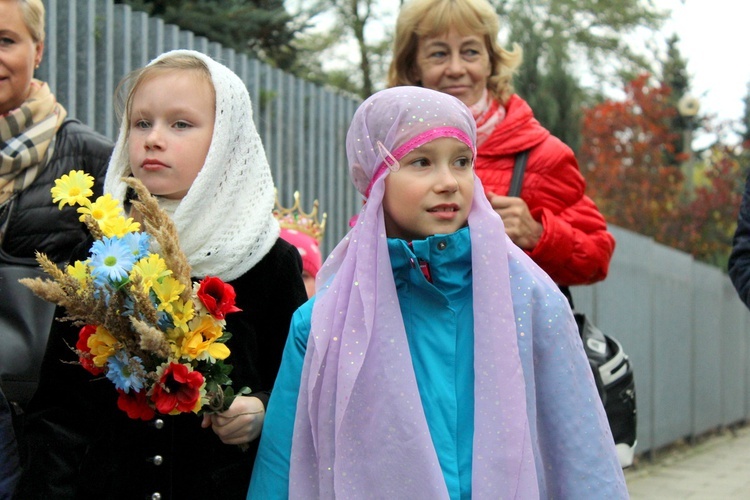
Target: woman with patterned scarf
37, 145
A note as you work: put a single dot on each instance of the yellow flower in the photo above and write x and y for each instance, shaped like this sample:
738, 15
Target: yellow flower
73, 188
119, 226
103, 209
200, 342
182, 313
151, 269
79, 270
175, 336
102, 345
168, 291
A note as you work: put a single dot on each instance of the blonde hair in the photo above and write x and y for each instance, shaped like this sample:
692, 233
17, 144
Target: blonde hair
427, 18
128, 86
33, 18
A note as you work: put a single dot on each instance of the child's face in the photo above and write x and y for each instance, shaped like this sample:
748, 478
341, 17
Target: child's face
171, 125
309, 281
432, 191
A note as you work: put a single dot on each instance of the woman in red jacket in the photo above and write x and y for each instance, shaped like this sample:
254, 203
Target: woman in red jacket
451, 46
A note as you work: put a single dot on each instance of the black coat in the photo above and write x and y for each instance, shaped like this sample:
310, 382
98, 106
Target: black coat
9, 467
82, 446
36, 223
739, 259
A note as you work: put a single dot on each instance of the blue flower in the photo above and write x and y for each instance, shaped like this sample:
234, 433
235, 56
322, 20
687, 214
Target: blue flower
125, 372
101, 292
111, 261
128, 306
164, 320
138, 244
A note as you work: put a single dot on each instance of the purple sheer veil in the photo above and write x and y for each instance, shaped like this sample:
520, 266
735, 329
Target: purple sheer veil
360, 427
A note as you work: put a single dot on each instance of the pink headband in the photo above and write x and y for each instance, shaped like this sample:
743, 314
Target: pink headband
414, 143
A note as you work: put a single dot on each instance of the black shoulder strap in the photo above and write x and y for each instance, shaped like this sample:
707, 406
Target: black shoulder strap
519, 167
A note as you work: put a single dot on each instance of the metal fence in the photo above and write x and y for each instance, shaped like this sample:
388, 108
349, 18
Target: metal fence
687, 335
680, 321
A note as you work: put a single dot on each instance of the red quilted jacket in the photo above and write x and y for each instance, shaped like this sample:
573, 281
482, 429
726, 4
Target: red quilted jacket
576, 247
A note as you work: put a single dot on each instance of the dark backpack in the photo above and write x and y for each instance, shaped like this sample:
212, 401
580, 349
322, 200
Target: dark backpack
613, 374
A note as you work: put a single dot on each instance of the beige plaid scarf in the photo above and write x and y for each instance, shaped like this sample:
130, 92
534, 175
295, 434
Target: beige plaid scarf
27, 139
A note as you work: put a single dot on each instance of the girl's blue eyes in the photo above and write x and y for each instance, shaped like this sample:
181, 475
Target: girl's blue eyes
424, 162
143, 124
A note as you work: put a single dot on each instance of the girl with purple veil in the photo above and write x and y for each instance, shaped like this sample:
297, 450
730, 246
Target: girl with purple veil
436, 360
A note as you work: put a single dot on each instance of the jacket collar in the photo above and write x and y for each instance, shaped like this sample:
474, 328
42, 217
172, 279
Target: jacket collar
446, 256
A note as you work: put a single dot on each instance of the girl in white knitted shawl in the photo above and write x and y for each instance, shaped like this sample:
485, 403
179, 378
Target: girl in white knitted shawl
187, 133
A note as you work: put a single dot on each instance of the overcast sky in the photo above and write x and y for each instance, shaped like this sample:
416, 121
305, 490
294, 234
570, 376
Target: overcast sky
714, 39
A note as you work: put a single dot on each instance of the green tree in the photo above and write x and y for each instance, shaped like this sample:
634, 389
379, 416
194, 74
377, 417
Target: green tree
675, 77
366, 64
552, 32
547, 83
262, 28
592, 30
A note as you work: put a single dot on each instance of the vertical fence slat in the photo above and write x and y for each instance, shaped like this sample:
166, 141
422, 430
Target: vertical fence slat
122, 57
734, 361
187, 40
707, 348
104, 119
47, 71
214, 49
171, 37
85, 59
139, 25
229, 58
66, 57
156, 38
200, 43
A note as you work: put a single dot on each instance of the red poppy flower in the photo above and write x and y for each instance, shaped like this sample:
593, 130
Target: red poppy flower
84, 356
178, 389
135, 405
217, 296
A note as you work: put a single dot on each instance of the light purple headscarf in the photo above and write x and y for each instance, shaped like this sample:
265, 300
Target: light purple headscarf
360, 428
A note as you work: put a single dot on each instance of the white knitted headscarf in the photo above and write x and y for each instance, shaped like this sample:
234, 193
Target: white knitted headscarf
225, 221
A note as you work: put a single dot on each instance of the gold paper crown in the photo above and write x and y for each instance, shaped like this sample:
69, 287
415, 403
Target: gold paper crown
295, 218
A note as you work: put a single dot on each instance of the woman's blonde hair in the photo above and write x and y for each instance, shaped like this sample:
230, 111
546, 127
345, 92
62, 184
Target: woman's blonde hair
427, 18
132, 81
33, 18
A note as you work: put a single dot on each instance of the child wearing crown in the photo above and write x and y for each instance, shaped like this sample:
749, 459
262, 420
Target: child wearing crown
305, 232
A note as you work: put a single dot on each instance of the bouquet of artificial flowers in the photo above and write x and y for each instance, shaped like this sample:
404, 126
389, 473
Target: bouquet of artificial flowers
159, 338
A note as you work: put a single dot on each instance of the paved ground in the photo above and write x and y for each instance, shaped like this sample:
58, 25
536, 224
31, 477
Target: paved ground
716, 468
